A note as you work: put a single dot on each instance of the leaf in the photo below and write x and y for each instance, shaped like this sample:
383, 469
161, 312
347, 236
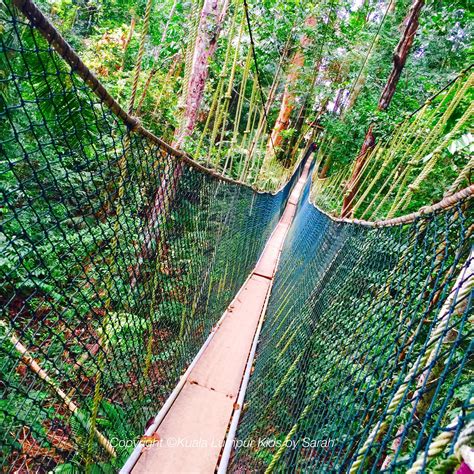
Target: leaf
427, 157
32, 449
66, 469
466, 141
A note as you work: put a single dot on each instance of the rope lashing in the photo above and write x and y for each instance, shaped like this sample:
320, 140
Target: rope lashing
438, 445
462, 452
465, 172
188, 58
388, 173
251, 116
118, 266
372, 345
292, 432
257, 71
214, 110
156, 55
120, 254
430, 139
222, 118
243, 84
406, 131
420, 145
428, 168
462, 288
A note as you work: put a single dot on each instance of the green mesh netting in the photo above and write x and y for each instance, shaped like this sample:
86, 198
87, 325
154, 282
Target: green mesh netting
365, 356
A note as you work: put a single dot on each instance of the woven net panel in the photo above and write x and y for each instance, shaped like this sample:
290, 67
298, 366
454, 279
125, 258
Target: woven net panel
365, 356
117, 259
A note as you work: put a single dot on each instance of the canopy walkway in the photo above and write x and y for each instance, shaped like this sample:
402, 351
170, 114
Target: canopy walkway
159, 317
194, 430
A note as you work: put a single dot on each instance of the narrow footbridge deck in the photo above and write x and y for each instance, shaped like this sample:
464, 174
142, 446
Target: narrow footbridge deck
191, 434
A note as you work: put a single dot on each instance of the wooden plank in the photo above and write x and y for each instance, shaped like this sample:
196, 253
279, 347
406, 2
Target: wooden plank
191, 434
223, 362
267, 264
288, 214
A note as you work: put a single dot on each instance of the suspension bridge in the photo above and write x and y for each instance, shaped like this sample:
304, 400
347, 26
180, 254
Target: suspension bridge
160, 317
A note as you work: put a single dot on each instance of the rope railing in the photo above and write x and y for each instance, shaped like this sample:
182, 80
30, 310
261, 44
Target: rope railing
60, 45
401, 173
363, 359
445, 204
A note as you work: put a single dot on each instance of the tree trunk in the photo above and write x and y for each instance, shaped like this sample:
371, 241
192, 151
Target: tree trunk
338, 102
210, 25
288, 100
399, 59
401, 54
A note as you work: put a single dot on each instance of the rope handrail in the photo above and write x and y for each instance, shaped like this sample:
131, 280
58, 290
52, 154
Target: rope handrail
354, 310
406, 157
437, 93
125, 257
445, 203
257, 71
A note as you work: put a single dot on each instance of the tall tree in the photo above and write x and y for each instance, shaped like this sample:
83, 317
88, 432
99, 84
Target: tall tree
211, 20
399, 59
289, 97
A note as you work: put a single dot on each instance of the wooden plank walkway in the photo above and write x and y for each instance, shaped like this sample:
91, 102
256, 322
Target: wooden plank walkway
193, 432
